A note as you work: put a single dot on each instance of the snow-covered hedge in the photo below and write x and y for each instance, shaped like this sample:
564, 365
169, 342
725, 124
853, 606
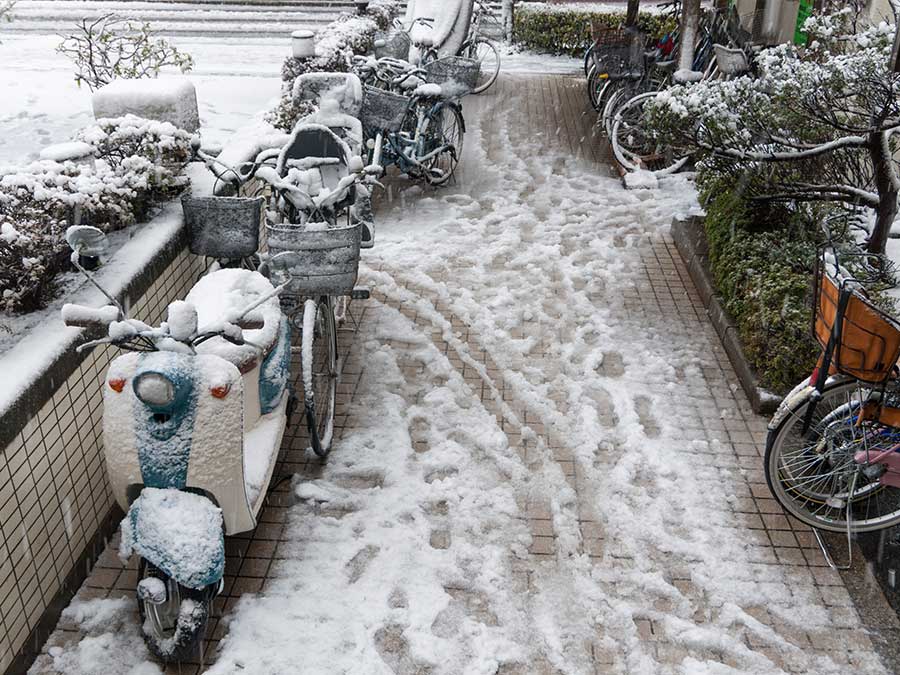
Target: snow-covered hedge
567, 30
336, 44
136, 161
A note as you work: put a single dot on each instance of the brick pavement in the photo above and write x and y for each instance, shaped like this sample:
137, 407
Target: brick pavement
713, 415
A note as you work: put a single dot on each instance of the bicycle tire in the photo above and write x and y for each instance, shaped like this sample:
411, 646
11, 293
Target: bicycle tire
440, 168
633, 148
801, 493
484, 51
319, 365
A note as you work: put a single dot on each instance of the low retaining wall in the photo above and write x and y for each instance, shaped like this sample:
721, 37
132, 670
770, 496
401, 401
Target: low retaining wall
690, 239
56, 508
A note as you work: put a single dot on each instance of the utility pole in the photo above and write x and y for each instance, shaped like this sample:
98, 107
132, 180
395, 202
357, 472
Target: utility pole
690, 24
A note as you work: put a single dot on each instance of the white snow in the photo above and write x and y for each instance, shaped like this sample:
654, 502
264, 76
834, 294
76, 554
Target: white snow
170, 99
182, 320
71, 150
78, 314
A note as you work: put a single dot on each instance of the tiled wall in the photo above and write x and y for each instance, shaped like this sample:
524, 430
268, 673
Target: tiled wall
55, 503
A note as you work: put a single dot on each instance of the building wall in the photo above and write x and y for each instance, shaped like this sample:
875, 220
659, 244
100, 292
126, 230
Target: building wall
56, 508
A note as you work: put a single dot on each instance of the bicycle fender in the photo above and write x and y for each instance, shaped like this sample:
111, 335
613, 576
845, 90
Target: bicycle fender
799, 395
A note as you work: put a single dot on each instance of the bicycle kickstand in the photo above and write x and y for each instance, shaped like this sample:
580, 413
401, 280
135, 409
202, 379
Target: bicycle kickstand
824, 547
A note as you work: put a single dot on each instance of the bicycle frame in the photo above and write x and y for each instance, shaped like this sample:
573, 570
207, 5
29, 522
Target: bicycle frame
401, 150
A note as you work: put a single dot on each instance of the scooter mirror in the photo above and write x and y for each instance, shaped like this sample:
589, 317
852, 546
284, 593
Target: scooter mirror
86, 240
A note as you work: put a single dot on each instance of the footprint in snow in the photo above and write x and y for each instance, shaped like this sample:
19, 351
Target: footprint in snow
612, 365
358, 564
643, 406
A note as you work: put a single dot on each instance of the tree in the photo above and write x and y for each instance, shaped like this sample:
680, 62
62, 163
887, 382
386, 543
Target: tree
112, 47
817, 124
6, 7
631, 16
690, 24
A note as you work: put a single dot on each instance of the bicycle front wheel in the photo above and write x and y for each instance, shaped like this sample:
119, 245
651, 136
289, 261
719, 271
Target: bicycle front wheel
442, 143
486, 53
815, 475
635, 147
319, 363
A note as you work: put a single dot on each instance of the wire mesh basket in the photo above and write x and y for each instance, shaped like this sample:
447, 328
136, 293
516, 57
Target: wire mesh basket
865, 341
223, 227
619, 52
320, 262
383, 110
457, 75
394, 44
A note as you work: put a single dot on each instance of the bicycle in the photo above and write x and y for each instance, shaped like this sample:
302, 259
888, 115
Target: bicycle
635, 149
479, 47
421, 134
832, 455
311, 250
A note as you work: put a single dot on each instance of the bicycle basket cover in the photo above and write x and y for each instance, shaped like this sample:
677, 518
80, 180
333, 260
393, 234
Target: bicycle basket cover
222, 227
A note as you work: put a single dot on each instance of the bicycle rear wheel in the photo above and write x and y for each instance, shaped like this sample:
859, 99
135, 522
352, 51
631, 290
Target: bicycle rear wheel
319, 364
444, 130
815, 476
634, 147
486, 53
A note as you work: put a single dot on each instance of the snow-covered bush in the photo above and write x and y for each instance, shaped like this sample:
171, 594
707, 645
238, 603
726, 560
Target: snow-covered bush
112, 47
136, 161
336, 44
563, 30
120, 141
815, 124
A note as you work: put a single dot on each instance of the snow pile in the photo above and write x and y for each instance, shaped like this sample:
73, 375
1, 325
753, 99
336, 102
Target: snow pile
170, 99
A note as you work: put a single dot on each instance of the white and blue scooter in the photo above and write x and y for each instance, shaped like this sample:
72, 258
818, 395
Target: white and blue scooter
193, 420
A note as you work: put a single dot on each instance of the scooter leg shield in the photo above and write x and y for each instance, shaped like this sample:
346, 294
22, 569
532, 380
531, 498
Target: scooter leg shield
181, 533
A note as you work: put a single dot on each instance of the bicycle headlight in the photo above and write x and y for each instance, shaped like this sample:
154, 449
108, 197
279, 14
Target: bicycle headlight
154, 390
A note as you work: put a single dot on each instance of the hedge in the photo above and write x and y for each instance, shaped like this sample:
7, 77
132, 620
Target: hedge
762, 258
568, 32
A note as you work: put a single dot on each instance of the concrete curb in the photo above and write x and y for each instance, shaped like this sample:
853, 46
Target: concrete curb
690, 239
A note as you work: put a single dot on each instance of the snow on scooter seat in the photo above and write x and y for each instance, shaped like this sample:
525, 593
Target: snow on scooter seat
220, 297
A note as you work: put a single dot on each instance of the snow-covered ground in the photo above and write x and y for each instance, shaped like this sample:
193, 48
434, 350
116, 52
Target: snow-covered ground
518, 353
47, 107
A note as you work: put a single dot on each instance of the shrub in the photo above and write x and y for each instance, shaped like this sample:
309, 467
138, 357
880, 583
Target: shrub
763, 257
137, 161
111, 47
568, 31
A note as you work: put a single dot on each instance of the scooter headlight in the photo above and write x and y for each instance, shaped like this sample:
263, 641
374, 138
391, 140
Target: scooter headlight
154, 390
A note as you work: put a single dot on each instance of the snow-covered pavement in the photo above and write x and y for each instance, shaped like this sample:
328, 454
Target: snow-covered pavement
545, 464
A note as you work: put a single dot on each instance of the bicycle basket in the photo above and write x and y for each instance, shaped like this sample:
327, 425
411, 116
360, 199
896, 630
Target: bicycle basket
222, 227
383, 110
323, 262
457, 75
865, 340
394, 44
731, 61
619, 52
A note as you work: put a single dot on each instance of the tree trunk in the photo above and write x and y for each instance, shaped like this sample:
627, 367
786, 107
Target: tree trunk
888, 194
632, 16
508, 19
690, 23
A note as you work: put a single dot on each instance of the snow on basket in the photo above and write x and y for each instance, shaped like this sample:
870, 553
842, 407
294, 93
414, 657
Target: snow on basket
318, 262
457, 75
382, 110
223, 227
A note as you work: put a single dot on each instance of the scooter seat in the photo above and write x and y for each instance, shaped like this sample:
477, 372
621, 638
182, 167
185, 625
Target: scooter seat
219, 298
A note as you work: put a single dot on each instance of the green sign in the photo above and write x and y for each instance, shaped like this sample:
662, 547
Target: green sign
803, 13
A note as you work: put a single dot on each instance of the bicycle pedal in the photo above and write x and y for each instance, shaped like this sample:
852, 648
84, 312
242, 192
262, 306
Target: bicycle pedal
360, 294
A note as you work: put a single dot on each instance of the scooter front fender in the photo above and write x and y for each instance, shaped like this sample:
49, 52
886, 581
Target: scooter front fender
180, 533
